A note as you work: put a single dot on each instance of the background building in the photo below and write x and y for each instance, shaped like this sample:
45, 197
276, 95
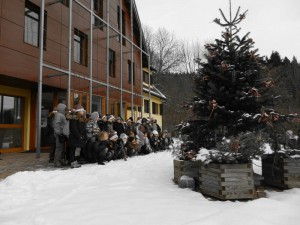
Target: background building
93, 54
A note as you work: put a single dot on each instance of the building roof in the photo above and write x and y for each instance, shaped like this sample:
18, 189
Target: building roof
154, 91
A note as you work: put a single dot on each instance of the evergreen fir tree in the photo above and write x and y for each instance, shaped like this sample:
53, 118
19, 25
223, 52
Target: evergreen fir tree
232, 90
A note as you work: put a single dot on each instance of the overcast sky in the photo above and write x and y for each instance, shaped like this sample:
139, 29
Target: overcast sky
273, 24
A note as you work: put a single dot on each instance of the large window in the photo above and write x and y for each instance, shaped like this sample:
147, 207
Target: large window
80, 47
154, 108
32, 24
146, 78
112, 63
161, 109
65, 2
11, 121
130, 66
123, 25
98, 9
146, 106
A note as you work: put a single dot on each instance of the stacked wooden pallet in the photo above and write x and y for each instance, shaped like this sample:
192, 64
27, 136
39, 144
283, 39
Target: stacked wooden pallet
227, 181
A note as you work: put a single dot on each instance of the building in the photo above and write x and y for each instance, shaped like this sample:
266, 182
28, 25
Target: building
93, 53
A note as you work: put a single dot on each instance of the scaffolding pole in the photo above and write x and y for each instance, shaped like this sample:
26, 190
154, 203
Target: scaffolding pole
70, 53
121, 58
107, 56
141, 65
131, 72
149, 82
91, 58
40, 81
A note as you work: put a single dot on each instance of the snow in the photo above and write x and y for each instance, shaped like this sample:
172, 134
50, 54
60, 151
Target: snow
138, 191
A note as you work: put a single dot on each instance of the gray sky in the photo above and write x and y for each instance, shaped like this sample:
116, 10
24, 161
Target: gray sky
273, 24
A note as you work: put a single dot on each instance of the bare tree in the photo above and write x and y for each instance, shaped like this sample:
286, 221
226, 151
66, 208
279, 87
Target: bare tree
164, 49
191, 52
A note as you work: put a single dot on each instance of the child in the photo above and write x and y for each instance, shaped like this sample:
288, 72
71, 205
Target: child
100, 147
155, 141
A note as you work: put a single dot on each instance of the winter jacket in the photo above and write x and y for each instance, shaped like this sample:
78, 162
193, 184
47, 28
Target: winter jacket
49, 129
60, 123
103, 125
77, 136
119, 127
92, 129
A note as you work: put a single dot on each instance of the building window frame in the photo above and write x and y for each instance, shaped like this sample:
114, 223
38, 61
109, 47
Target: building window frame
130, 66
146, 106
154, 108
80, 47
32, 25
112, 63
99, 11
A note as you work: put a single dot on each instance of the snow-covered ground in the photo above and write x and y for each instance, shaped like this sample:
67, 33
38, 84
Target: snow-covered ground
139, 191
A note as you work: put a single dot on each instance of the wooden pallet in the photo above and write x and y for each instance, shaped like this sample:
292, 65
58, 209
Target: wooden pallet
188, 168
227, 181
281, 172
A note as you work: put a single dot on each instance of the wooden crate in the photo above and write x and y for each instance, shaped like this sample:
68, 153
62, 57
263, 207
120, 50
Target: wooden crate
227, 181
188, 168
281, 172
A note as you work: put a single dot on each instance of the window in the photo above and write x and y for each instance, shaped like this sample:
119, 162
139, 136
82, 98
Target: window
161, 109
98, 9
123, 25
11, 121
32, 24
129, 72
146, 78
80, 47
112, 63
146, 106
154, 108
65, 2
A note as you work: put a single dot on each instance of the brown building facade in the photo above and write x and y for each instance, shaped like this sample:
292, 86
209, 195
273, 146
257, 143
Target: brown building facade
93, 54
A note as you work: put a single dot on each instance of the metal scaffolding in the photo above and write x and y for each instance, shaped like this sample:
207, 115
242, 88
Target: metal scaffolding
106, 23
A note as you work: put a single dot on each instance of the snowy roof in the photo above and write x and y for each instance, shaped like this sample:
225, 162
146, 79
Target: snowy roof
154, 91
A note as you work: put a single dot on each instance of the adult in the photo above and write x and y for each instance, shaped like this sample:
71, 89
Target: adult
77, 138
61, 130
119, 126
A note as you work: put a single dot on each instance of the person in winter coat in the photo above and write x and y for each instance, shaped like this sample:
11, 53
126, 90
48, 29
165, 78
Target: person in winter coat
121, 151
77, 138
102, 124
129, 127
132, 145
50, 134
61, 130
119, 126
110, 121
155, 141
92, 128
158, 129
97, 149
146, 148
101, 148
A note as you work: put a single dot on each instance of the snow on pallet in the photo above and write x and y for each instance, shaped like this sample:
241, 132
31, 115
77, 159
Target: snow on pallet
189, 168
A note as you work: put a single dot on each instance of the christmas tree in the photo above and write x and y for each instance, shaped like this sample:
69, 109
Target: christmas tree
233, 97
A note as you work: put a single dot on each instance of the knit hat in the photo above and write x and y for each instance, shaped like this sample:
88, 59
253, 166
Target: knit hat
123, 136
155, 132
110, 118
95, 116
79, 108
112, 136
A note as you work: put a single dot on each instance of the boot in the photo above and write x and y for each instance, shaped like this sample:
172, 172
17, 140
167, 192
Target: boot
75, 164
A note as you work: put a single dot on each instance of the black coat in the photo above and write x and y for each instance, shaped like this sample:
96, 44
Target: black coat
119, 127
103, 126
77, 136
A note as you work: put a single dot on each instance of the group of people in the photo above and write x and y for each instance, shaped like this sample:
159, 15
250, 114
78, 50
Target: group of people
77, 137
